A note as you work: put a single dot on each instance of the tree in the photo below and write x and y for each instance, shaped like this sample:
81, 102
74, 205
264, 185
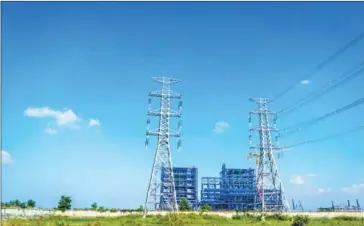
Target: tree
17, 203
23, 205
64, 203
94, 206
31, 203
184, 204
140, 209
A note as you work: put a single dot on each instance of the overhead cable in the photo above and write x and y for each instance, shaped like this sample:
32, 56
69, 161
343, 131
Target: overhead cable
326, 137
346, 77
300, 126
321, 65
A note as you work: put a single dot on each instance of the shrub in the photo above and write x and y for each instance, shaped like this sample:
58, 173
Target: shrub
184, 205
300, 220
96, 223
346, 218
206, 207
278, 217
173, 219
102, 209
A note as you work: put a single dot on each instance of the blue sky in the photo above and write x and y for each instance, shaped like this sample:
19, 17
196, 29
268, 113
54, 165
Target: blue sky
73, 62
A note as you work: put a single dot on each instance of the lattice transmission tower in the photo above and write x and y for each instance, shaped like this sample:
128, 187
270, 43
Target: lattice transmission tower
161, 194
270, 193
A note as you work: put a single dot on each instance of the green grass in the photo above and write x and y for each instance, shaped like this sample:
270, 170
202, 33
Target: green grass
181, 220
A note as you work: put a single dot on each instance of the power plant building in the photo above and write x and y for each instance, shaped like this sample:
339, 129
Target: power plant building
186, 184
235, 189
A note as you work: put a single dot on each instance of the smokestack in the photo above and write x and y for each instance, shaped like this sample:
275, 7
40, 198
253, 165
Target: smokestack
357, 203
348, 203
332, 203
293, 207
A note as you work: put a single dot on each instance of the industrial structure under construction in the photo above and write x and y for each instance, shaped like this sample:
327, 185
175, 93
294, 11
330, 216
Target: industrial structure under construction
235, 189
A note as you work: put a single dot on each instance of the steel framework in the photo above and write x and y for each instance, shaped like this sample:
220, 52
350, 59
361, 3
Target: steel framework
270, 193
233, 190
186, 184
161, 194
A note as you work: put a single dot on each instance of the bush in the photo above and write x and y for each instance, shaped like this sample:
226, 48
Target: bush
206, 207
346, 218
102, 209
173, 219
278, 217
300, 220
184, 205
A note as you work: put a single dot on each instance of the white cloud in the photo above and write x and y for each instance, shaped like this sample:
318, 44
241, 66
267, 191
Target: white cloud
301, 179
50, 131
354, 189
6, 157
297, 180
67, 117
323, 190
221, 127
305, 82
94, 122
63, 118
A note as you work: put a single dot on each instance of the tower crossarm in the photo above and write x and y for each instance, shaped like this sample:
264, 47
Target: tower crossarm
166, 95
165, 80
264, 129
157, 133
257, 112
162, 113
258, 147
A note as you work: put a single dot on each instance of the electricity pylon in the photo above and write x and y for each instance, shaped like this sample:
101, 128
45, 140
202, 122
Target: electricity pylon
161, 194
269, 190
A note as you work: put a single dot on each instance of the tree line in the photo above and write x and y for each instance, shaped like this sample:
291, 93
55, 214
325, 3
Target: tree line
18, 204
65, 203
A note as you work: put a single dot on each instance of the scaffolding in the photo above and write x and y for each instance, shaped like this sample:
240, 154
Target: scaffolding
186, 184
233, 190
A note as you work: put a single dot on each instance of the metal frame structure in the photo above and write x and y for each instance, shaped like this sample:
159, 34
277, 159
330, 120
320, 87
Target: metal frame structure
211, 192
161, 194
342, 208
269, 190
297, 207
186, 184
233, 190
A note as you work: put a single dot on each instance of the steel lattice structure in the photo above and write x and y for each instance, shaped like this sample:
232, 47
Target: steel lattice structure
270, 193
161, 194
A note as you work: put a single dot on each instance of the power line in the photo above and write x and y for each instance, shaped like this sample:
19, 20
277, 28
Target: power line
326, 137
322, 64
313, 121
346, 77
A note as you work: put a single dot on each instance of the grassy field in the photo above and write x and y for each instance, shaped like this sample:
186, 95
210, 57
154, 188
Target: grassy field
181, 220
